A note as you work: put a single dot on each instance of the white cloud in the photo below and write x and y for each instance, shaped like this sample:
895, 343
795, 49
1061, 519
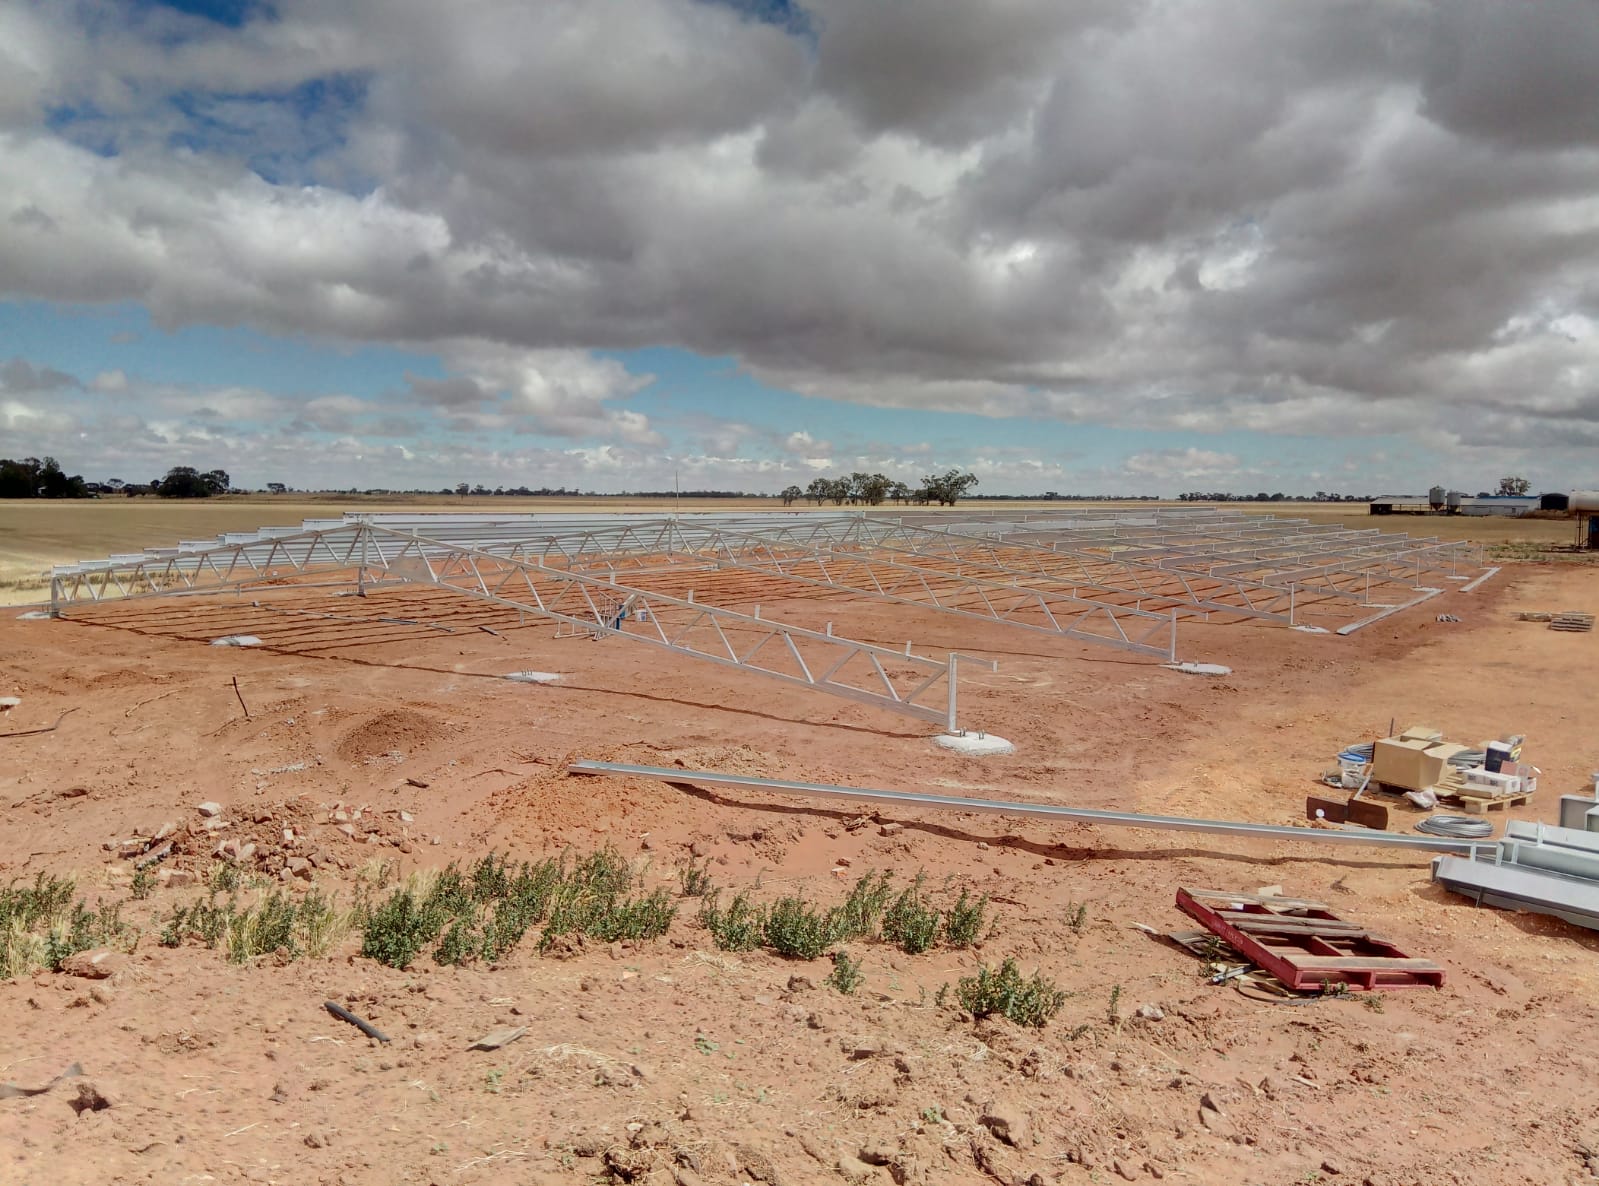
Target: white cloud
1278, 219
1163, 466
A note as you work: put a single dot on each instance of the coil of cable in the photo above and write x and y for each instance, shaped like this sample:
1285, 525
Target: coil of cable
1456, 827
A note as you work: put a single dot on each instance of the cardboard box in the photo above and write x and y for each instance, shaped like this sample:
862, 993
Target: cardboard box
1410, 764
1421, 733
1491, 784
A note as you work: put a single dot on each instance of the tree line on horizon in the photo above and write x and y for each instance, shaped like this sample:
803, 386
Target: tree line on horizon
33, 477
872, 490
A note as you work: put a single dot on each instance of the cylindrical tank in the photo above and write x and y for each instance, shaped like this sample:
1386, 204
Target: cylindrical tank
1583, 502
1452, 500
1435, 498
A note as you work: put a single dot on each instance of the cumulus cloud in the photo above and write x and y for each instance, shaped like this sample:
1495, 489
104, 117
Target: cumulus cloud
1331, 219
1164, 466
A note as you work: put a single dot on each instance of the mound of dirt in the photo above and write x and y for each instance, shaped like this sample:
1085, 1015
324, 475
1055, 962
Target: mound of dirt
402, 730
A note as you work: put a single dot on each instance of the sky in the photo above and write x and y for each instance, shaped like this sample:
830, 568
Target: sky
1110, 246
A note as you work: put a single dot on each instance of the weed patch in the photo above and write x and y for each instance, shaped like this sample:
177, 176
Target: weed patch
275, 924
908, 923
738, 928
484, 912
41, 925
846, 975
963, 922
1004, 991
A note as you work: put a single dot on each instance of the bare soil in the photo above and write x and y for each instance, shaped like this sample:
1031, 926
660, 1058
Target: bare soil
671, 1062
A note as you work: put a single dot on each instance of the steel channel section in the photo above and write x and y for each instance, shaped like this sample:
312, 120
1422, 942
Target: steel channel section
1114, 819
1388, 611
1514, 887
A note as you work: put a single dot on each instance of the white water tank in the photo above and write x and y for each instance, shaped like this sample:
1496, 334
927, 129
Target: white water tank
1583, 502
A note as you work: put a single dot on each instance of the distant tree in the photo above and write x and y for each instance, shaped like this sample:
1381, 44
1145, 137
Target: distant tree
463, 489
947, 488
870, 489
184, 481
32, 478
791, 495
838, 489
817, 490
277, 488
1513, 487
217, 481
899, 492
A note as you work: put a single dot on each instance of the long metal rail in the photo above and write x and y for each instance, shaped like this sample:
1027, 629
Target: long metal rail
1115, 819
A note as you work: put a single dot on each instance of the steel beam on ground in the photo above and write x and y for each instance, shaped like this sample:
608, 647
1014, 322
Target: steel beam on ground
1115, 819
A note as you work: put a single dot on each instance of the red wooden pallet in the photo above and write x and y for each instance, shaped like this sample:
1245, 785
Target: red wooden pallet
1304, 944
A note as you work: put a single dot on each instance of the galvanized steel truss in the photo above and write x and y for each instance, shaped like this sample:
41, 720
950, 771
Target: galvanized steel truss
900, 681
805, 556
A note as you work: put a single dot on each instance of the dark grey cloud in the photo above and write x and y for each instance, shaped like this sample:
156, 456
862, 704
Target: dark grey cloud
20, 375
1279, 217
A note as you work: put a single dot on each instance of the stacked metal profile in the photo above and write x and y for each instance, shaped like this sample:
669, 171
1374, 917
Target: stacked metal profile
1542, 868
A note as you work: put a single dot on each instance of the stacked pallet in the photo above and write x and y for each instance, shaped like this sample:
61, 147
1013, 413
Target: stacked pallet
1571, 620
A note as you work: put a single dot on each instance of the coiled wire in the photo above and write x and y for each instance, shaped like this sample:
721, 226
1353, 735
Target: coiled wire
1456, 827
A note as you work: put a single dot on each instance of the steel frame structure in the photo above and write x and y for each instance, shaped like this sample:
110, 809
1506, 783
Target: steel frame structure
791, 555
1351, 561
900, 681
1118, 578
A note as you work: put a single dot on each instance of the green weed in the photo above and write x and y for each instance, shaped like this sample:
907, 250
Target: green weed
1026, 1001
797, 930
846, 975
740, 927
485, 911
695, 880
861, 912
908, 923
963, 922
143, 884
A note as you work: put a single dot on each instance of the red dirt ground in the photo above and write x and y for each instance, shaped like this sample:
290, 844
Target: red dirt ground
672, 1062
